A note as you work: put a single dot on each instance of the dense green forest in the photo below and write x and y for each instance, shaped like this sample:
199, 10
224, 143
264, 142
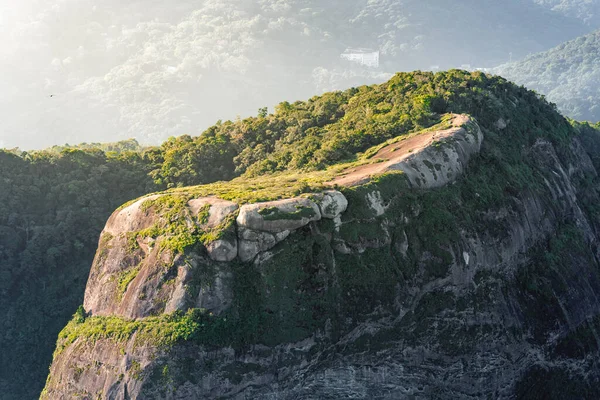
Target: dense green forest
568, 74
52, 208
123, 146
54, 203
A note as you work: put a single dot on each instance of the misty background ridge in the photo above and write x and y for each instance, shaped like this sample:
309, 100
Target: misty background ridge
99, 71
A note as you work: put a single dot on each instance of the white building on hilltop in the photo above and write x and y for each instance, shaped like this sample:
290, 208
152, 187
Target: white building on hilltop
367, 57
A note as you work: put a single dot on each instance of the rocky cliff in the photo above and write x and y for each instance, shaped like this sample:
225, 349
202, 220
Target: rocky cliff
456, 262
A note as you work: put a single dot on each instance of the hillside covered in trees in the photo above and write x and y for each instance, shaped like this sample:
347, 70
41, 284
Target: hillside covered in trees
469, 271
569, 75
52, 207
54, 203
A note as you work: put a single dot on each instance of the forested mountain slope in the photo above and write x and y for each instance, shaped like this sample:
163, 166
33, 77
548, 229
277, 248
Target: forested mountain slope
51, 210
569, 75
468, 267
586, 10
150, 69
55, 202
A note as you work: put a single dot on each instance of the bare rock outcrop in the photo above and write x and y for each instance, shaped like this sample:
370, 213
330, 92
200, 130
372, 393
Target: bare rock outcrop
278, 216
331, 203
429, 159
134, 217
218, 210
443, 161
224, 249
135, 276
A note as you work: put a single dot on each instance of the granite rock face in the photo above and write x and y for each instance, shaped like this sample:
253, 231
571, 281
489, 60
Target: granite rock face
445, 160
278, 216
509, 301
223, 250
134, 277
332, 204
218, 211
429, 159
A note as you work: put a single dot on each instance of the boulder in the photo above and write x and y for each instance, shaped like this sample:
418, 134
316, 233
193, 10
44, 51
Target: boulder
278, 216
331, 204
222, 250
217, 213
132, 218
251, 242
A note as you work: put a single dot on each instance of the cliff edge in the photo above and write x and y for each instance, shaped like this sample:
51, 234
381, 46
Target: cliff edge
437, 264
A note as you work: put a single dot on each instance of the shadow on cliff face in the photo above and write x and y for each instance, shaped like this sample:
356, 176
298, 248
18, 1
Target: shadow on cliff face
555, 383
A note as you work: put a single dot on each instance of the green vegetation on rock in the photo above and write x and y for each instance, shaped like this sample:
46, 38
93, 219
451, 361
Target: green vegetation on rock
125, 279
292, 152
176, 229
159, 331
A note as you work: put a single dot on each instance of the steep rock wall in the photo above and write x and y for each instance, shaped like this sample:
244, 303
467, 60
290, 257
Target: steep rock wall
507, 301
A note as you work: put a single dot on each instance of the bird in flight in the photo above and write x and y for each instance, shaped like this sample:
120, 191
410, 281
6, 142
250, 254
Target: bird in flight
51, 95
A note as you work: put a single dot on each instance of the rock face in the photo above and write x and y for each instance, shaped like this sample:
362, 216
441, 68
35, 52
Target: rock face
133, 276
429, 159
223, 250
130, 219
379, 291
445, 160
252, 242
278, 216
261, 226
218, 210
331, 204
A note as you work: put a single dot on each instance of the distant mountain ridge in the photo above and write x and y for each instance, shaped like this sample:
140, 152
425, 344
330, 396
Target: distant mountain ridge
150, 70
586, 10
569, 75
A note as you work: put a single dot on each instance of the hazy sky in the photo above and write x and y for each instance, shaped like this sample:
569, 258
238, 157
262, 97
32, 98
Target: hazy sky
151, 69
